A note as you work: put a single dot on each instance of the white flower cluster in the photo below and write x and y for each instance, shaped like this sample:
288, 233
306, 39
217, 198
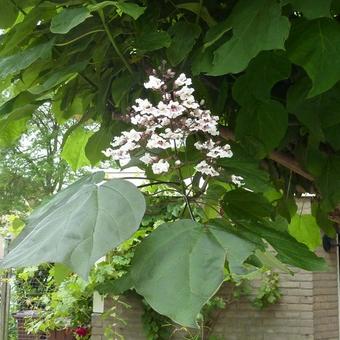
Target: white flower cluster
166, 126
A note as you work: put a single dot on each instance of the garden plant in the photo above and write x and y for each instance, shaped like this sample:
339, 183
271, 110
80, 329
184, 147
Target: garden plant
230, 108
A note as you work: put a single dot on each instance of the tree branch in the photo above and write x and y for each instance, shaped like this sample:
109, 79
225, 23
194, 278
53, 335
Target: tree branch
277, 156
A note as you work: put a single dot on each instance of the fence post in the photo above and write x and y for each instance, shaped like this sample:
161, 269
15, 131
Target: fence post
5, 297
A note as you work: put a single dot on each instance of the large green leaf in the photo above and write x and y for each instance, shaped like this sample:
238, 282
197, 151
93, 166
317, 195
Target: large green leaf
69, 18
289, 250
268, 66
242, 203
19, 35
184, 36
269, 118
13, 125
269, 260
315, 45
74, 148
257, 25
180, 266
14, 114
8, 13
17, 62
305, 229
320, 114
151, 41
121, 86
56, 77
80, 225
269, 122
328, 182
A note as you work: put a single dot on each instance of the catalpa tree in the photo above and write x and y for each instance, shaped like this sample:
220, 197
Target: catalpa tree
229, 107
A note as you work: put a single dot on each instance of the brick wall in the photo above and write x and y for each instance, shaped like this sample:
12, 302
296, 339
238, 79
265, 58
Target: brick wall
23, 335
123, 317
325, 301
308, 309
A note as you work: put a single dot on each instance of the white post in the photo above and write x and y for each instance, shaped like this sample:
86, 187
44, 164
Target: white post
5, 297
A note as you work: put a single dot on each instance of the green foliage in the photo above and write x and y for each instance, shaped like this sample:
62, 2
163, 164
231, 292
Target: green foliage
312, 45
156, 326
184, 36
266, 294
267, 68
13, 64
305, 229
67, 19
56, 221
191, 267
256, 26
32, 170
74, 149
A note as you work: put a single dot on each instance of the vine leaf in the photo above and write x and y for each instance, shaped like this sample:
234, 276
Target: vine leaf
257, 26
74, 148
315, 45
79, 225
98, 142
180, 266
305, 229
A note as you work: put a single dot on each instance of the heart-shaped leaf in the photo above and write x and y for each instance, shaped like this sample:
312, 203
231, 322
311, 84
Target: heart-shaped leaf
80, 225
180, 266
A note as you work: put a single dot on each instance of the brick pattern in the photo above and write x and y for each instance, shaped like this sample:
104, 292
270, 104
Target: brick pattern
325, 292
56, 335
23, 335
124, 319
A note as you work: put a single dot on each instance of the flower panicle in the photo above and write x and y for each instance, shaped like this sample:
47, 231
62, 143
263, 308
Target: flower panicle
167, 125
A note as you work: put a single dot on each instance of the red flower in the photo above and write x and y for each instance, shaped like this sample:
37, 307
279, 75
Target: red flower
81, 331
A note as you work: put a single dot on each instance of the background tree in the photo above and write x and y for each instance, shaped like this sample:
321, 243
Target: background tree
32, 169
